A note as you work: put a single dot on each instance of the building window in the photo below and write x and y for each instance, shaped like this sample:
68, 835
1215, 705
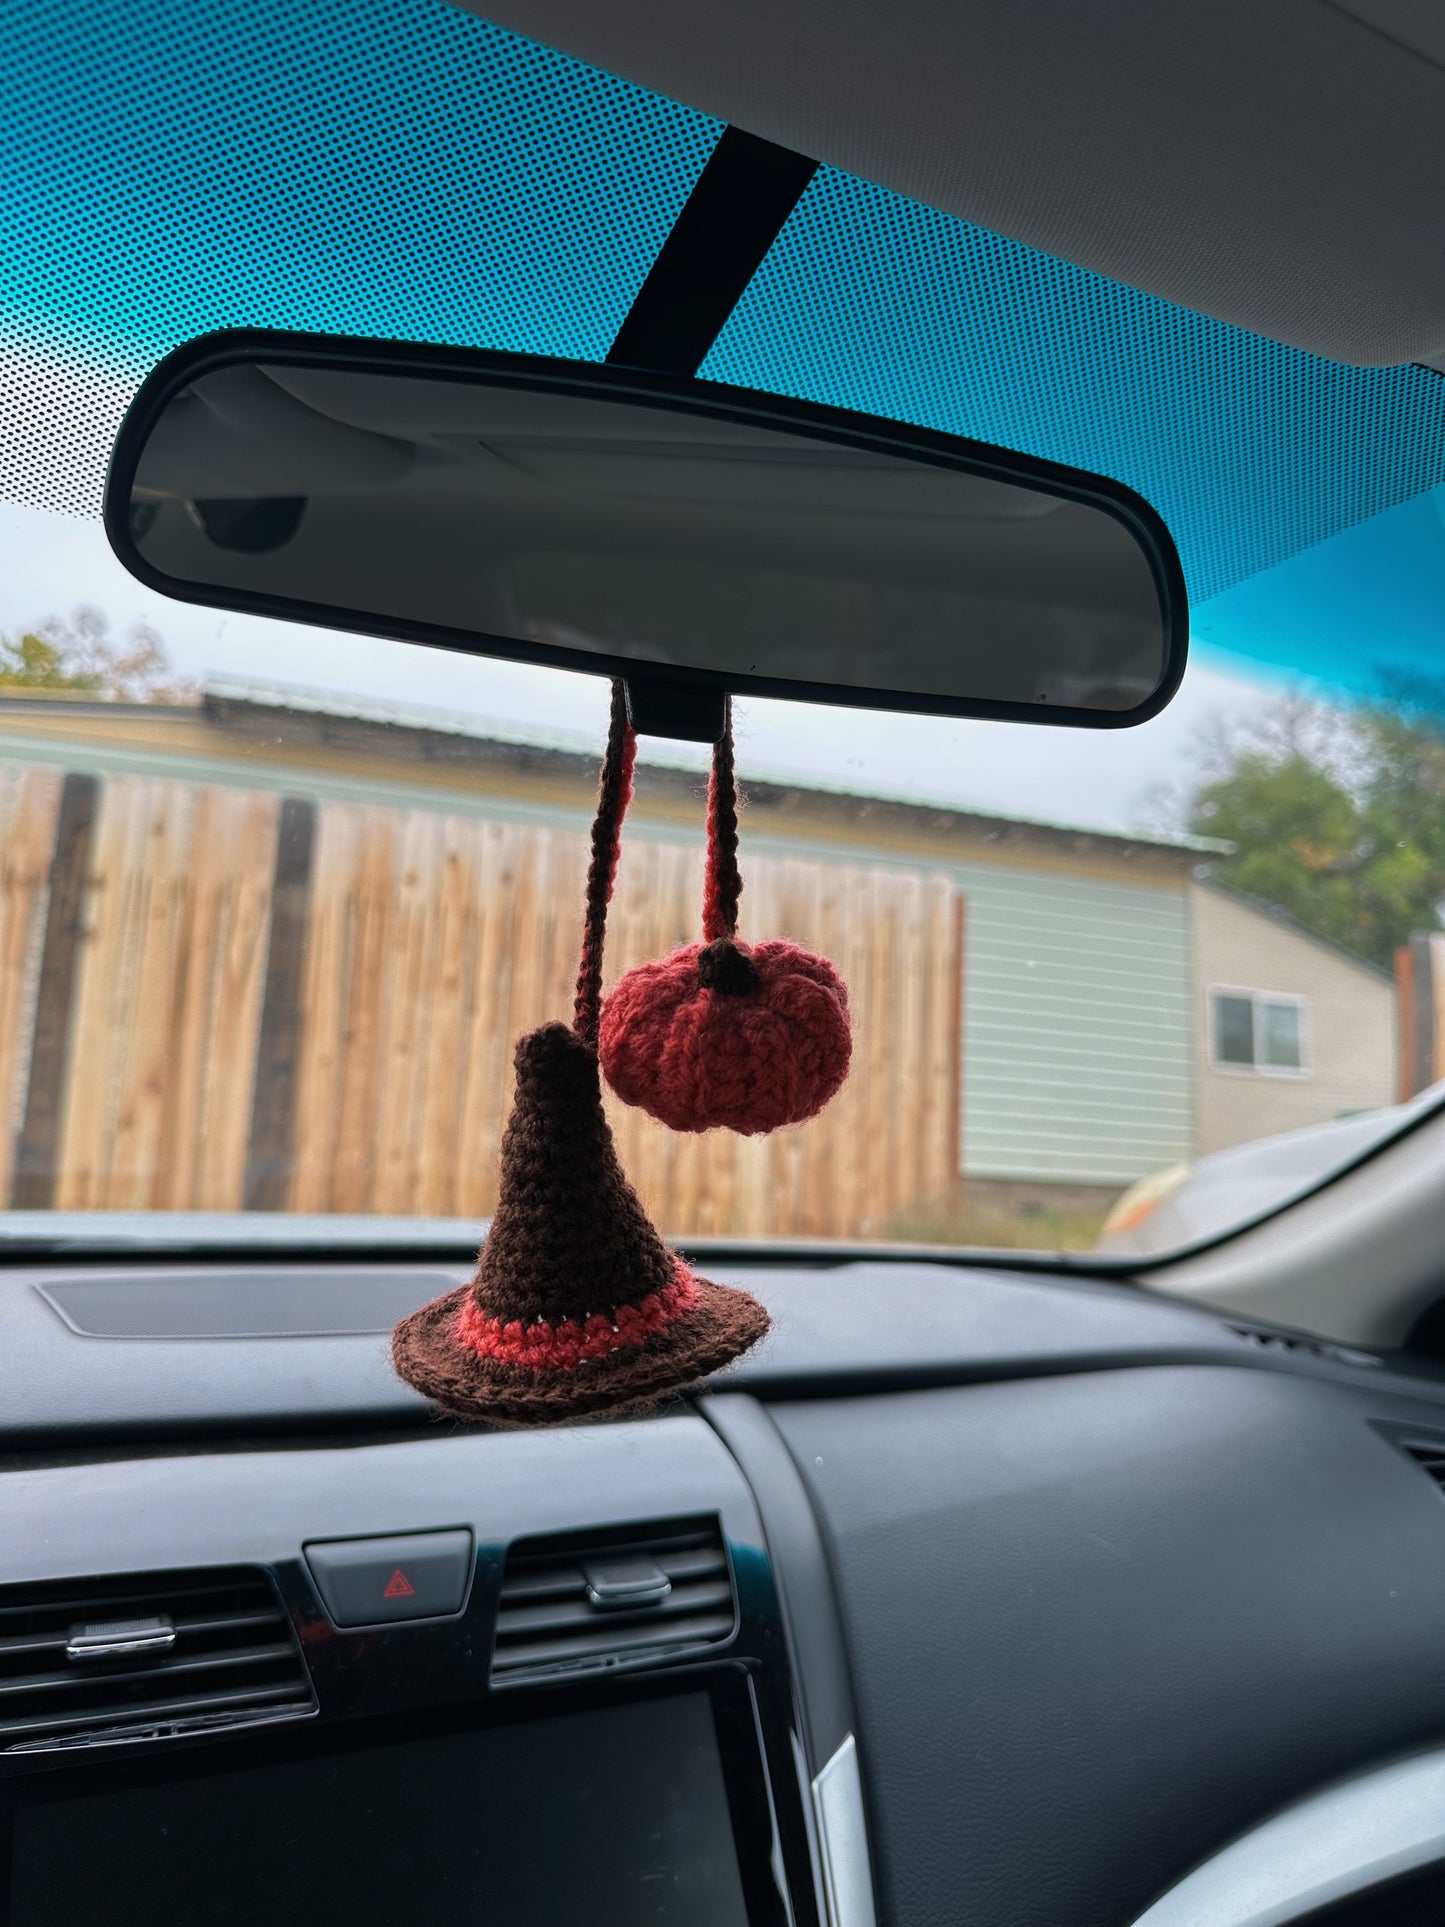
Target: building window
1258, 1030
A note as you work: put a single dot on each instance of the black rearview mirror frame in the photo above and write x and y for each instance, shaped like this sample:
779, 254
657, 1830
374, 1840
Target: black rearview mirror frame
669, 688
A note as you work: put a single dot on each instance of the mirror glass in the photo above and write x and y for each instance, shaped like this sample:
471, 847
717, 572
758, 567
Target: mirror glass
594, 528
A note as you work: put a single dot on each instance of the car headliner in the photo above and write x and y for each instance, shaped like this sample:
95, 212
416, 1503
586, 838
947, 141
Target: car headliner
1276, 167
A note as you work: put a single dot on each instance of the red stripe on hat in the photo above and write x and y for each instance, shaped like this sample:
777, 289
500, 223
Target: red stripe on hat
561, 1348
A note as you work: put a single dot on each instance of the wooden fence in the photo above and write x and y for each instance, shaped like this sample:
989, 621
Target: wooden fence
1420, 1000
216, 998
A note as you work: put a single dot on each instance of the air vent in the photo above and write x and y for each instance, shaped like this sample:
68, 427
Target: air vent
1430, 1458
1264, 1338
93, 1660
612, 1600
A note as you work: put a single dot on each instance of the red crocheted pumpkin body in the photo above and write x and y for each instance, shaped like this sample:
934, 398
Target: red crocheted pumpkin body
721, 1034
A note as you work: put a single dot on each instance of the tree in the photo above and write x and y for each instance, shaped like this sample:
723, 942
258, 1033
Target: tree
1338, 817
79, 657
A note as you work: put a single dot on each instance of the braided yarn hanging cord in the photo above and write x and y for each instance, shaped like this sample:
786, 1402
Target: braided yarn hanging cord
614, 793
724, 884
722, 1033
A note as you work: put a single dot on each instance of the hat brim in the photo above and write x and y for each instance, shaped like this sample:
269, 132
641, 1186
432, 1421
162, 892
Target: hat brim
427, 1353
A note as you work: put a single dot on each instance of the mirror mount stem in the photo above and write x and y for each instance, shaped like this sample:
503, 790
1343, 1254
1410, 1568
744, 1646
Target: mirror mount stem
736, 210
687, 714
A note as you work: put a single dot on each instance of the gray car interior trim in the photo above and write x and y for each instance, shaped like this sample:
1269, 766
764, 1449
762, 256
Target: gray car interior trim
843, 1839
800, 1570
275, 1302
1358, 1261
1340, 1842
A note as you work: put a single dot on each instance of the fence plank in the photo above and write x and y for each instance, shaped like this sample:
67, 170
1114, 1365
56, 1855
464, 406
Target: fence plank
271, 1139
837, 1149
451, 993
902, 1143
946, 1060
410, 1010
490, 1031
36, 1181
1436, 952
100, 1009
242, 944
353, 1186
324, 992
182, 1122
146, 1061
31, 813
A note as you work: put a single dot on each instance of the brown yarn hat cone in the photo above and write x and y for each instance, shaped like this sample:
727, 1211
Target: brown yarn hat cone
577, 1306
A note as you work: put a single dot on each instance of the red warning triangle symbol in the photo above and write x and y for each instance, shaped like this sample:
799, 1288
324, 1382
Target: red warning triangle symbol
399, 1586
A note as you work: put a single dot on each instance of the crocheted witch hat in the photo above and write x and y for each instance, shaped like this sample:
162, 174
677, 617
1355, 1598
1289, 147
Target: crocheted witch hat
723, 1033
577, 1305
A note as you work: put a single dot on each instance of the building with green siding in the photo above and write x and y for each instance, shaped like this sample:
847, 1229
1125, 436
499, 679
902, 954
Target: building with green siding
1078, 1063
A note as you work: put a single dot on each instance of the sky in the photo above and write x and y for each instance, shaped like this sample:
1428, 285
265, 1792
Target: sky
1369, 599
1106, 779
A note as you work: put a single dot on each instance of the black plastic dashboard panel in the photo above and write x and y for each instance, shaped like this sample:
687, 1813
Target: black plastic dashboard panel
121, 1514
608, 1804
85, 1515
800, 1568
1098, 1629
1097, 1582
866, 1325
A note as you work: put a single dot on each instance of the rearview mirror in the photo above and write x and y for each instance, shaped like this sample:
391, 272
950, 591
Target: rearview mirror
684, 535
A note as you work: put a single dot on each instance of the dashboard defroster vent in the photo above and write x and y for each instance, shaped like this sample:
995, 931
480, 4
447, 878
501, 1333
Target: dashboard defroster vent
92, 1660
1268, 1338
1429, 1457
608, 1600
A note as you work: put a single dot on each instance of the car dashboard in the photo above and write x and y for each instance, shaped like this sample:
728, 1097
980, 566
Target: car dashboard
976, 1595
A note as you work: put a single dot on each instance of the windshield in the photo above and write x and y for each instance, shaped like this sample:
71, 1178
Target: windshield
277, 901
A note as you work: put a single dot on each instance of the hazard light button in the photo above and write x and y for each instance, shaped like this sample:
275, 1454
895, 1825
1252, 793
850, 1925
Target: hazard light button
370, 1582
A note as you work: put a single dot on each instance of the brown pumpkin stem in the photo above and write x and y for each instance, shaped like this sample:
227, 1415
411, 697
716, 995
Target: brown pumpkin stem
724, 967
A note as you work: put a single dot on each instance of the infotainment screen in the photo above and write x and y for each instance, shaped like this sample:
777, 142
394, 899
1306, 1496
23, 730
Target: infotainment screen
616, 1816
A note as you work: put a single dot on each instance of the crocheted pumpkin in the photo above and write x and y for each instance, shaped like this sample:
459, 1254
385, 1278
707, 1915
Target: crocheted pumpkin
720, 1034
723, 1034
